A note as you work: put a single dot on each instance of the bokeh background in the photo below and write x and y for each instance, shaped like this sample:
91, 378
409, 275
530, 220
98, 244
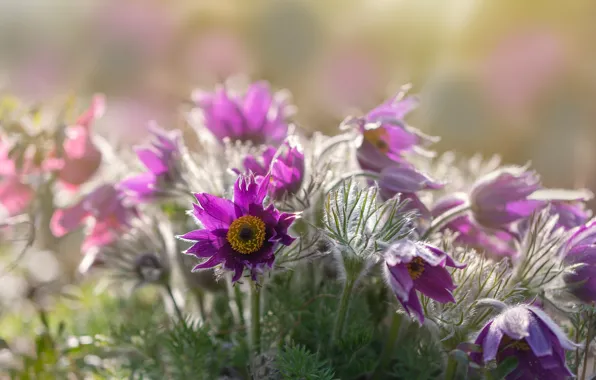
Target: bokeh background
509, 77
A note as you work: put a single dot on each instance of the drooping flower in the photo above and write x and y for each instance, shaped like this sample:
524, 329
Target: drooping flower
469, 233
571, 214
160, 160
239, 233
386, 137
580, 251
502, 197
407, 181
259, 116
287, 169
530, 335
81, 156
411, 266
105, 208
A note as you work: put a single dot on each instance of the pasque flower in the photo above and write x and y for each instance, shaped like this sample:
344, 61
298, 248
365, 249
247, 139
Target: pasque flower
469, 233
502, 197
239, 233
580, 251
105, 208
528, 334
160, 161
287, 169
80, 155
386, 136
259, 116
407, 181
415, 266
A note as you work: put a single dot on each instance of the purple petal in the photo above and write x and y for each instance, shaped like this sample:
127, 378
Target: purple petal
491, 343
538, 341
435, 283
214, 212
257, 103
406, 180
400, 281
210, 263
152, 160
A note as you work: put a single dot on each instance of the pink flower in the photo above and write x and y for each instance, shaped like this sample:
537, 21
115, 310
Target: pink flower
105, 208
15, 196
81, 156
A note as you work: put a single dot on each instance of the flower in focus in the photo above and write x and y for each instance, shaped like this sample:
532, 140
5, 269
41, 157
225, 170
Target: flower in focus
528, 334
407, 181
258, 116
159, 159
81, 156
386, 136
105, 207
241, 233
286, 170
411, 266
503, 197
580, 251
469, 233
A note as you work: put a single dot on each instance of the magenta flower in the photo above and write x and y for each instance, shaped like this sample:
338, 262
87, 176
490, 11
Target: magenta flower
386, 136
81, 157
469, 233
107, 211
411, 266
502, 197
287, 170
258, 116
241, 233
159, 159
528, 334
407, 181
580, 251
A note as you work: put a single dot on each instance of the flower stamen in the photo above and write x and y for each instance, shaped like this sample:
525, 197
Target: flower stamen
246, 234
378, 137
416, 268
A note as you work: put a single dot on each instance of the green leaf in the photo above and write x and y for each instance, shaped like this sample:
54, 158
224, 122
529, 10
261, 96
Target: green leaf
505, 368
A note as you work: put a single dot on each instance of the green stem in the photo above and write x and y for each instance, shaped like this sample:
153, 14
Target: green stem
255, 318
388, 348
444, 219
451, 370
201, 303
239, 304
588, 341
344, 305
176, 308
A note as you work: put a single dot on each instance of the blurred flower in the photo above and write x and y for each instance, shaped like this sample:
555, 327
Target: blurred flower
528, 334
469, 233
105, 207
258, 116
386, 136
241, 233
502, 197
411, 266
406, 181
286, 170
159, 159
81, 156
15, 196
580, 252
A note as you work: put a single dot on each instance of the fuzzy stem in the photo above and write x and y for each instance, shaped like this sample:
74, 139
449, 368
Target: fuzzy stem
255, 318
451, 370
444, 219
239, 304
344, 305
388, 348
588, 341
171, 295
201, 303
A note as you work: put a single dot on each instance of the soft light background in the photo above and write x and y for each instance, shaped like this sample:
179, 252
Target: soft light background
512, 77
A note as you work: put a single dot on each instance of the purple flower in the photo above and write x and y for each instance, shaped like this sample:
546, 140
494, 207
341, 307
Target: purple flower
407, 181
159, 159
580, 251
287, 170
386, 136
258, 116
469, 233
502, 197
528, 334
571, 215
241, 233
411, 266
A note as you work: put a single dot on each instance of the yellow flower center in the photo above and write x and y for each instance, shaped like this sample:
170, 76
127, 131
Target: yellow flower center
416, 268
246, 234
519, 345
378, 137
